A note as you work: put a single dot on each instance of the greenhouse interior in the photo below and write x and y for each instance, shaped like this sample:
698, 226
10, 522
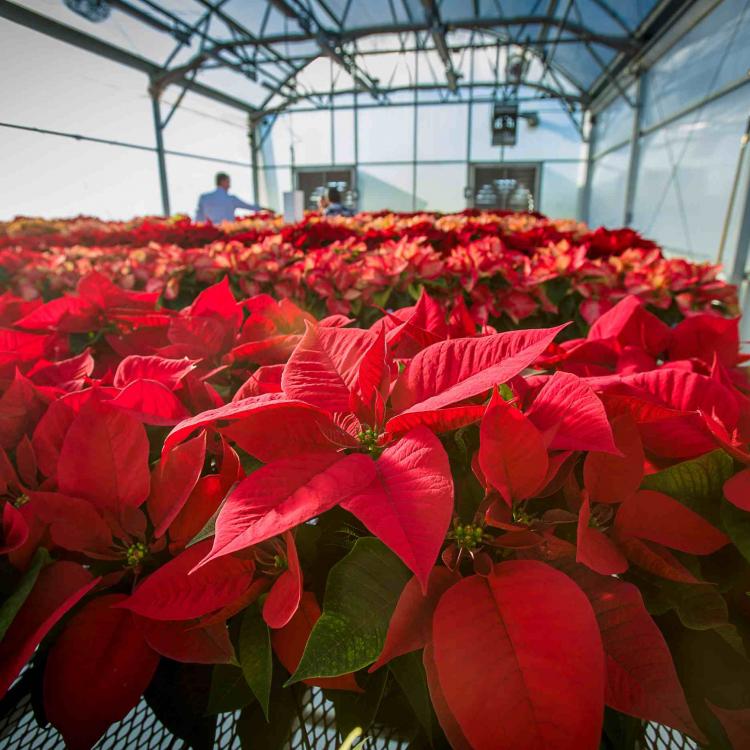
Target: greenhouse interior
374, 374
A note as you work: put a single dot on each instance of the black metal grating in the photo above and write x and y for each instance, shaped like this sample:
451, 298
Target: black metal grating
141, 729
659, 737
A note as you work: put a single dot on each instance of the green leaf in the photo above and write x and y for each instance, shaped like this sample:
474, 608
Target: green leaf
736, 523
731, 635
14, 602
178, 694
361, 594
307, 538
381, 298
700, 607
255, 655
257, 734
556, 289
229, 690
411, 678
697, 483
415, 290
358, 709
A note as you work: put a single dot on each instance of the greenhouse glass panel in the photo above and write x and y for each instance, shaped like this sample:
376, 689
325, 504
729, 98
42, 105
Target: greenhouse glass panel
389, 187
70, 94
440, 187
441, 132
273, 183
73, 178
311, 137
583, 65
560, 190
231, 82
685, 176
343, 132
392, 70
609, 179
713, 54
201, 126
277, 147
602, 18
120, 29
614, 124
386, 134
249, 13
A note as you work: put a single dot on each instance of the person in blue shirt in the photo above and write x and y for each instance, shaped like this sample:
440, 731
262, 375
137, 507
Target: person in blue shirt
219, 205
330, 204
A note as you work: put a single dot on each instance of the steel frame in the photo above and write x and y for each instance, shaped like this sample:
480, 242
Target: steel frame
277, 61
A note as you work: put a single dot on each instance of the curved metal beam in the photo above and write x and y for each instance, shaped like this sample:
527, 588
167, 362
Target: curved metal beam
582, 32
548, 91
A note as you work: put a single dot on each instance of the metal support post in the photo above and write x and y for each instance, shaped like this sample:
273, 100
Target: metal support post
469, 187
584, 210
357, 197
160, 155
635, 149
739, 270
252, 132
414, 136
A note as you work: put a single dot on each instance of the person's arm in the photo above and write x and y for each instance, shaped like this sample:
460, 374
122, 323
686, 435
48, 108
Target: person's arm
200, 214
239, 203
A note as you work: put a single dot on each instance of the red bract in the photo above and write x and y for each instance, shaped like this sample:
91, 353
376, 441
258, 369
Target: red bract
80, 699
498, 627
104, 458
594, 549
409, 502
641, 678
171, 594
659, 518
188, 641
410, 627
285, 493
610, 478
512, 452
59, 587
172, 481
284, 597
456, 370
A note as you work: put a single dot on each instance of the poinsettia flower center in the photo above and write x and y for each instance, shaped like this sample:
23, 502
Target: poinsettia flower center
135, 554
21, 500
521, 517
468, 536
369, 438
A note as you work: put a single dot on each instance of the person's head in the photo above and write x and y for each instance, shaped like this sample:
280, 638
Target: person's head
222, 180
333, 195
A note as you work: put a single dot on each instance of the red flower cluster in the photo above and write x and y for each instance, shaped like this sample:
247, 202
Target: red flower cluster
509, 268
502, 519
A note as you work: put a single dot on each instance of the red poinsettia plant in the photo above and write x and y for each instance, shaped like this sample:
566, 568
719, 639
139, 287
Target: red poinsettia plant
479, 539
511, 270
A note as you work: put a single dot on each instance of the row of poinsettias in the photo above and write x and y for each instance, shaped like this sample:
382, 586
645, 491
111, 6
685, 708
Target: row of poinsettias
509, 269
511, 510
